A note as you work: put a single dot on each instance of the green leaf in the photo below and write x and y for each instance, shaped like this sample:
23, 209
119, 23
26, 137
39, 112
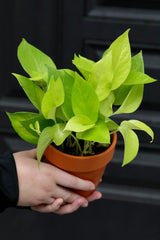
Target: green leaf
39, 78
32, 59
33, 92
111, 125
58, 134
131, 143
79, 123
132, 101
138, 125
98, 133
84, 99
38, 119
106, 105
69, 72
105, 52
138, 78
84, 65
24, 132
53, 73
121, 58
121, 94
68, 81
53, 98
44, 141
137, 63
101, 76
59, 115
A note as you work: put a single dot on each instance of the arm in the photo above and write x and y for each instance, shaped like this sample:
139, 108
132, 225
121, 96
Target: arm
9, 190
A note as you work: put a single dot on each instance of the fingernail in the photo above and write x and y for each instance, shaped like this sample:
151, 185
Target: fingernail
92, 187
85, 204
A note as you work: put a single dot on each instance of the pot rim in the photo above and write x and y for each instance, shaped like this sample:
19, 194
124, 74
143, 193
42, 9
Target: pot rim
80, 163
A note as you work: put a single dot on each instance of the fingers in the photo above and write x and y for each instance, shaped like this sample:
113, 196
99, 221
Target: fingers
72, 207
67, 180
68, 195
47, 208
94, 196
60, 207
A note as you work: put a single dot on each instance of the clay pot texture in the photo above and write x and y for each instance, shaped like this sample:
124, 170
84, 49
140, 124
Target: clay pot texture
85, 167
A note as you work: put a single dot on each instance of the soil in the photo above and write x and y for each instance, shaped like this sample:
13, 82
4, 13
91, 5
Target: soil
96, 148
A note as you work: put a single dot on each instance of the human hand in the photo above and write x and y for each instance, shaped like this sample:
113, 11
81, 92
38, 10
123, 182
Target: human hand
47, 188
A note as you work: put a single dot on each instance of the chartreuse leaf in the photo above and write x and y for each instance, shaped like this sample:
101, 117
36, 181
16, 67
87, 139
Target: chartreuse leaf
24, 132
84, 99
132, 101
53, 73
40, 78
137, 63
131, 139
111, 125
67, 77
138, 125
79, 123
106, 105
121, 58
58, 134
98, 133
69, 72
84, 65
53, 98
44, 141
59, 115
33, 92
101, 76
121, 94
32, 59
37, 124
138, 78
68, 81
131, 143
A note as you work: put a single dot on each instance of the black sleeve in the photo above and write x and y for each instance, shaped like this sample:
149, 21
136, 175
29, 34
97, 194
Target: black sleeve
9, 190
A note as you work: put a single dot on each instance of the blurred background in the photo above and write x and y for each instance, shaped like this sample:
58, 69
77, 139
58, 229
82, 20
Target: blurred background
130, 207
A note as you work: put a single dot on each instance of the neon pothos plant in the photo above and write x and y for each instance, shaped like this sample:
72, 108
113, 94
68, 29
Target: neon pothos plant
75, 108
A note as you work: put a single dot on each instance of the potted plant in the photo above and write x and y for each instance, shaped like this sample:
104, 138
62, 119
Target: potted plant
76, 110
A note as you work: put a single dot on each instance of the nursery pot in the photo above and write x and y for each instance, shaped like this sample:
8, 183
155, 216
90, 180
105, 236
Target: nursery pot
85, 167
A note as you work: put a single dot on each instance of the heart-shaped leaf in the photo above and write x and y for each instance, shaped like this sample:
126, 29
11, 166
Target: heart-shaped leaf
79, 123
32, 59
53, 98
121, 58
106, 105
68, 81
44, 141
33, 92
131, 143
98, 133
58, 134
101, 76
138, 78
138, 125
84, 65
24, 132
132, 101
137, 63
84, 99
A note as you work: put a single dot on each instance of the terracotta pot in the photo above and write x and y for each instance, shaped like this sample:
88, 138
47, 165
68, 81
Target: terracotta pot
86, 167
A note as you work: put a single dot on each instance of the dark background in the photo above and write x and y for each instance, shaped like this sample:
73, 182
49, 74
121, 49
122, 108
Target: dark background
130, 207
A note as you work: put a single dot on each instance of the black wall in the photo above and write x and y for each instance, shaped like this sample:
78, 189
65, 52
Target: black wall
131, 195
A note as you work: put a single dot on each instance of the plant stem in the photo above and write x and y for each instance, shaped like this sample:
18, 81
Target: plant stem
78, 145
